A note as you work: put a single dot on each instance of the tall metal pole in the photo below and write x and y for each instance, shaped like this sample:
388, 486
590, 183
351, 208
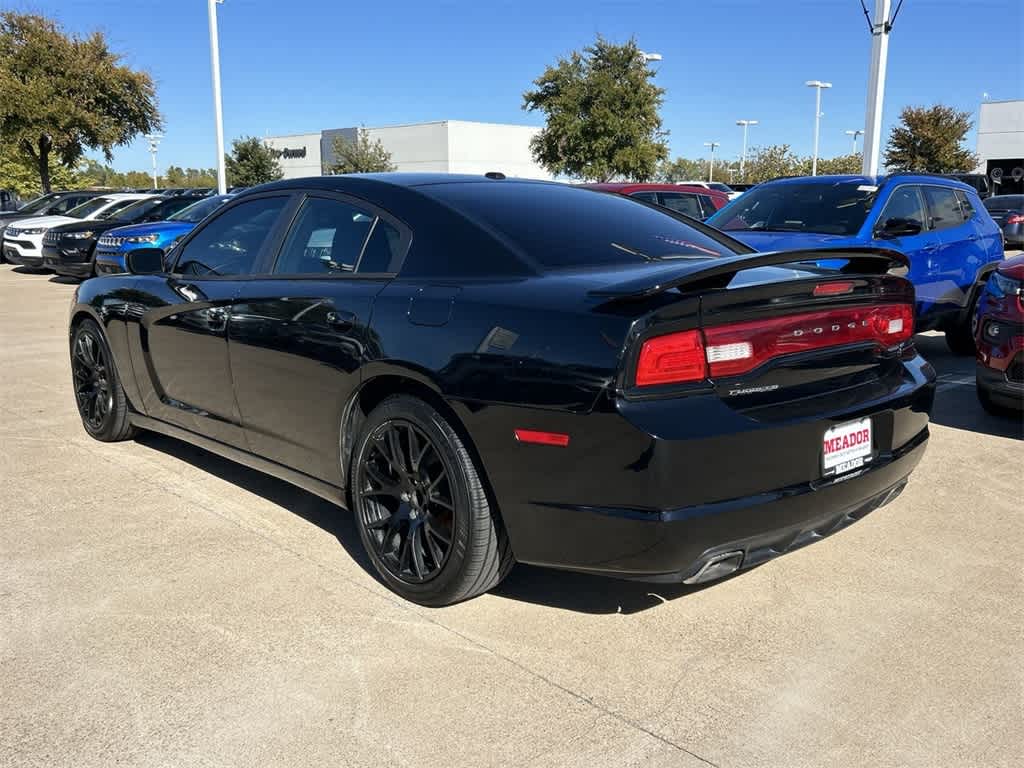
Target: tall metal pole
818, 86
711, 164
854, 134
743, 156
154, 142
880, 28
218, 116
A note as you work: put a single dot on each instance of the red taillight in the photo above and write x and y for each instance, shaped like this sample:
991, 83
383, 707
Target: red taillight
541, 438
675, 357
731, 350
1015, 218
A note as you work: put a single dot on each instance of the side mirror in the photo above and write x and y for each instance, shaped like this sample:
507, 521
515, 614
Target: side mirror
145, 261
897, 227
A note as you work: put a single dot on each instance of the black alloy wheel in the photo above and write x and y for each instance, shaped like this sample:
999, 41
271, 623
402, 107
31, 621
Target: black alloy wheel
420, 506
90, 368
98, 394
407, 501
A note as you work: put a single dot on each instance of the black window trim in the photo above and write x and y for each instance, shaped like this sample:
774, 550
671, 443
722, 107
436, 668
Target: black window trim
379, 213
271, 244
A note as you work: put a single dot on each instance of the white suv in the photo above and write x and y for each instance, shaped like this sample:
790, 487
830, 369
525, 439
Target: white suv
23, 238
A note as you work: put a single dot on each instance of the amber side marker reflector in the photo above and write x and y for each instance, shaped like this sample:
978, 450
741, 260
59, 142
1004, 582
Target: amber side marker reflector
541, 438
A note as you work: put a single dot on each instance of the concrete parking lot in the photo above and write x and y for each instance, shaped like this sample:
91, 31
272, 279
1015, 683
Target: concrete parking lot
160, 606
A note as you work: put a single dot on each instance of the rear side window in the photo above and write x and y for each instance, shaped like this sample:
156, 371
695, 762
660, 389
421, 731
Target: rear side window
965, 205
558, 226
943, 207
231, 243
683, 203
326, 238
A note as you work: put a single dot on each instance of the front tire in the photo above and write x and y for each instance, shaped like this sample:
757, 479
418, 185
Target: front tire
99, 396
421, 509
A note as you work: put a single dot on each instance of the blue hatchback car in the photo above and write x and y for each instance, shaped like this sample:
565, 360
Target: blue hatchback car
940, 224
114, 245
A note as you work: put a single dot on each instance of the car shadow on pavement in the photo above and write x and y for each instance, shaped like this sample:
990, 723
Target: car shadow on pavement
583, 593
62, 280
327, 516
956, 401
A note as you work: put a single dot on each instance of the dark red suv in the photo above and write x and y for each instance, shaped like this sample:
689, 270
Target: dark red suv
1000, 338
696, 202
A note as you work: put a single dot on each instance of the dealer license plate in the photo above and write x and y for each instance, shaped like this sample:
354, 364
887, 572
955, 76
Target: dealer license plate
846, 447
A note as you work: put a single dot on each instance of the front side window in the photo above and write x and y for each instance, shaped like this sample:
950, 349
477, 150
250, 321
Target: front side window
904, 203
327, 238
828, 208
943, 207
117, 206
683, 203
231, 243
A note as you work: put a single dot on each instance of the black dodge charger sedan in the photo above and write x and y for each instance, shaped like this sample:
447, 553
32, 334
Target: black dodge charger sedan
487, 370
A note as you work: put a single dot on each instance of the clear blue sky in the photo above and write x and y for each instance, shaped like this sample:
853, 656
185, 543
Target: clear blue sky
292, 66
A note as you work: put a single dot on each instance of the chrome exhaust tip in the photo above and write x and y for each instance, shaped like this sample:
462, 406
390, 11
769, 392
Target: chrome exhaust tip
717, 567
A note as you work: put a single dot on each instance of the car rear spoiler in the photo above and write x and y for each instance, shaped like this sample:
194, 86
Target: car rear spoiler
718, 272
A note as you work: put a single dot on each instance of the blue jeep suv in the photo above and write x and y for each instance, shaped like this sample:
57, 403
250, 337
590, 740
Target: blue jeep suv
940, 224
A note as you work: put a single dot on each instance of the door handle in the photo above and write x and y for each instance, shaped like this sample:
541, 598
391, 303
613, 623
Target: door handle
217, 318
341, 320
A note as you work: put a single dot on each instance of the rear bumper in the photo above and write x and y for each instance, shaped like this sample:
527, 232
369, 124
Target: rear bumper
655, 490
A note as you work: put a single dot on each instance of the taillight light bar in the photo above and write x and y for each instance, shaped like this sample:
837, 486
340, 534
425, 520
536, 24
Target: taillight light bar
735, 349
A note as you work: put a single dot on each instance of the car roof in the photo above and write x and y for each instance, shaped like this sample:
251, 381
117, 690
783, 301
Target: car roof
392, 179
875, 181
625, 188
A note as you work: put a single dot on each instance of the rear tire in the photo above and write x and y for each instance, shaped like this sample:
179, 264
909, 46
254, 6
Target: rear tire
990, 406
101, 401
421, 509
960, 337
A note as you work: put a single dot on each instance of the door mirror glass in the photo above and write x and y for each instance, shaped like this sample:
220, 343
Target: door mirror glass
899, 227
145, 261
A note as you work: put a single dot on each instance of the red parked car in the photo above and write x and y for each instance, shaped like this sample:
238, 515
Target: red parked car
999, 337
696, 202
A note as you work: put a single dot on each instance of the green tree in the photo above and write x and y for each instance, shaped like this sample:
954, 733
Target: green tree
21, 174
930, 139
839, 165
361, 155
771, 162
251, 162
601, 110
61, 94
685, 169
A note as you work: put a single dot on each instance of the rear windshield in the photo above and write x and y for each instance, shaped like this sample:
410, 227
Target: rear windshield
559, 226
1005, 203
828, 208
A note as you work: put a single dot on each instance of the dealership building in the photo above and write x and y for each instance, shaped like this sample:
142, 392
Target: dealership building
1001, 145
447, 146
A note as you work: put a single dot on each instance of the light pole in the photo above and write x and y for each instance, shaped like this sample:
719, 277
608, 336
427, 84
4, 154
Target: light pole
818, 86
154, 142
743, 157
711, 164
218, 116
880, 29
649, 57
854, 134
